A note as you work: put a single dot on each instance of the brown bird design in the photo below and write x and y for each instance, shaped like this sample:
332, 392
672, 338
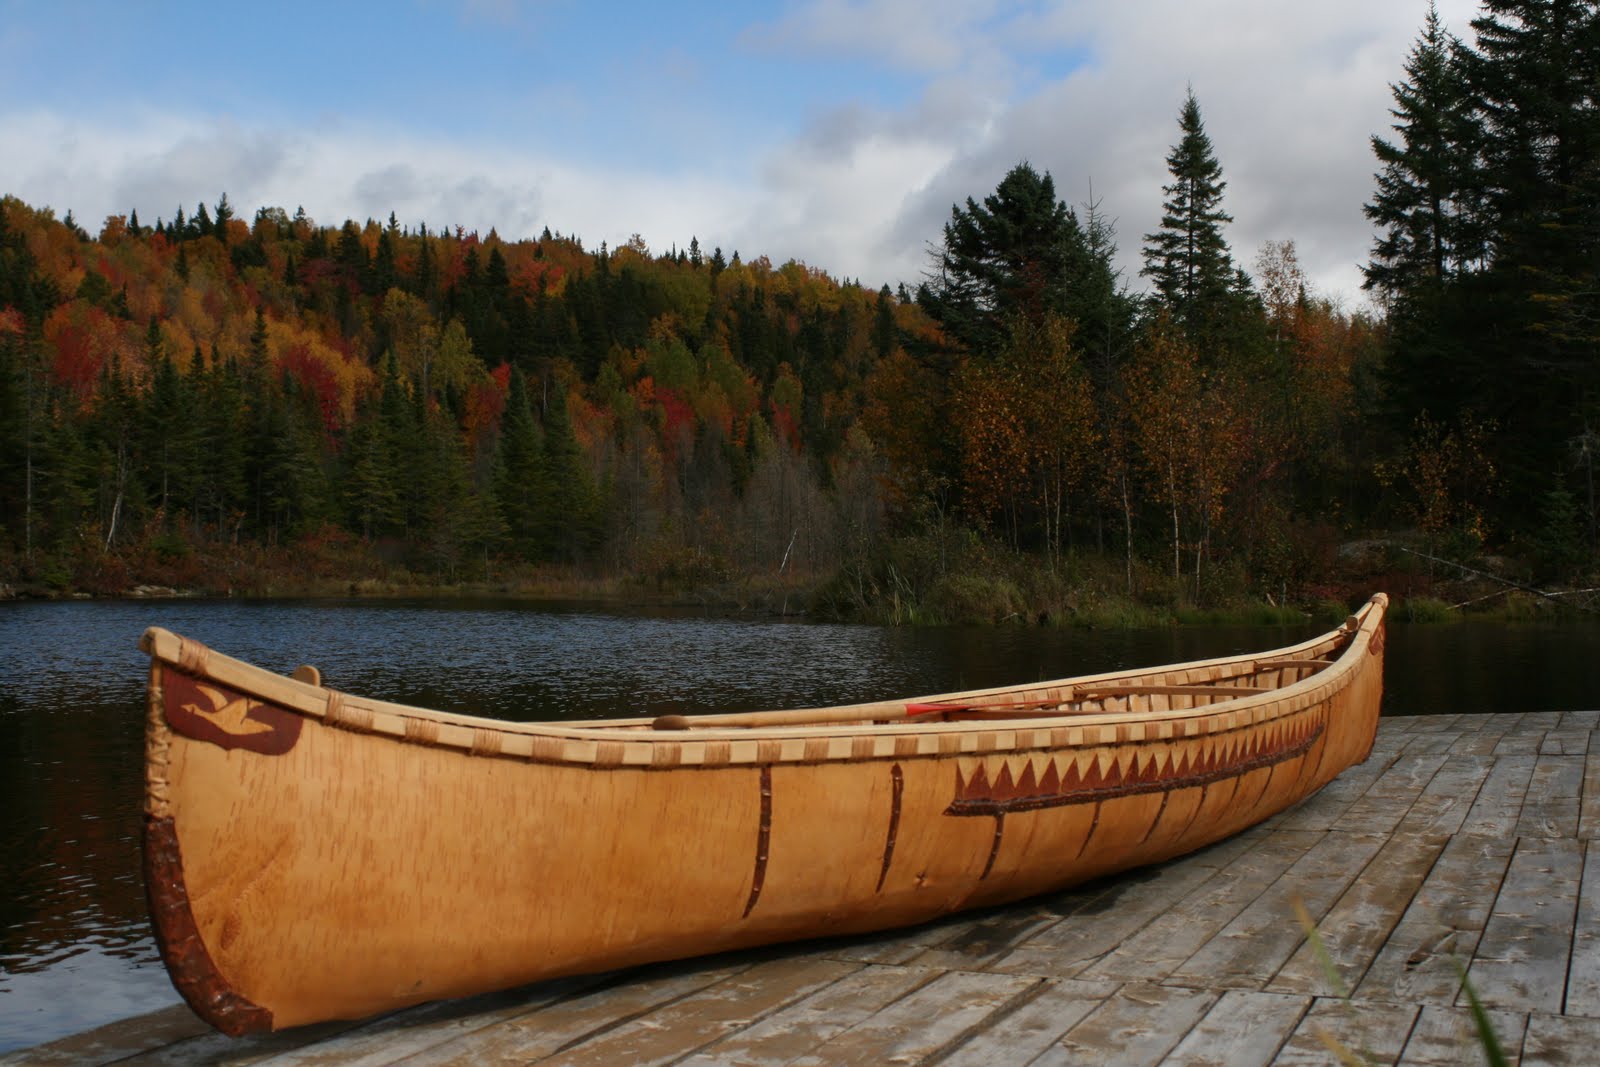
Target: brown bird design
228, 715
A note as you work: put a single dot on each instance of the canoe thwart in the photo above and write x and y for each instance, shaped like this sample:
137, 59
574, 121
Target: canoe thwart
308, 674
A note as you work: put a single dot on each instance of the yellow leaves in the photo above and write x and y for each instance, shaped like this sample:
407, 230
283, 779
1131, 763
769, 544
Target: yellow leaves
1188, 427
350, 377
1027, 419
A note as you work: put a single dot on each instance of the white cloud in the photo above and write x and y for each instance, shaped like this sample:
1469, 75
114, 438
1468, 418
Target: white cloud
157, 163
1290, 94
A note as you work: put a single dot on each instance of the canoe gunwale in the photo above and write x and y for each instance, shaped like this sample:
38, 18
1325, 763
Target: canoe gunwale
630, 743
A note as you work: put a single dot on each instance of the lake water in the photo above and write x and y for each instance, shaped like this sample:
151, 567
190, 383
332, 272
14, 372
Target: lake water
75, 949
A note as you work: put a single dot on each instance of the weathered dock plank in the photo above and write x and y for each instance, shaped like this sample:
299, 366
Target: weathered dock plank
1069, 947
1243, 1029
1560, 1041
937, 1016
1589, 807
1142, 1024
1373, 1033
116, 1041
1382, 807
566, 1022
1035, 1026
1465, 841
1555, 794
1442, 924
1521, 959
800, 1028
683, 1027
1355, 929
1583, 973
1161, 946
1498, 807
1247, 952
1447, 1037
1442, 807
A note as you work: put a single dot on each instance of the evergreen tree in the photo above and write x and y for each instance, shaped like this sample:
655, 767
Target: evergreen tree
565, 524
385, 276
114, 428
1187, 257
223, 494
1019, 253
1537, 77
1426, 206
168, 443
884, 331
519, 477
224, 216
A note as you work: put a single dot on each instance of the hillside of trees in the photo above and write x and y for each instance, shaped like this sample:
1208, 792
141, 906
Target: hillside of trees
243, 402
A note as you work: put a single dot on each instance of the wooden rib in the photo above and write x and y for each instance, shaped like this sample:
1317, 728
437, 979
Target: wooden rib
1099, 692
1304, 664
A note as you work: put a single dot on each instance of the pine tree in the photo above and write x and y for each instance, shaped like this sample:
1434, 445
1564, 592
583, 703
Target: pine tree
564, 518
519, 479
1188, 258
1426, 206
168, 442
1537, 77
884, 332
224, 216
385, 275
224, 497
1019, 253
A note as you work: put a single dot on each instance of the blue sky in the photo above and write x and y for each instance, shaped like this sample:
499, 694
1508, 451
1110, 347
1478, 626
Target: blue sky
838, 132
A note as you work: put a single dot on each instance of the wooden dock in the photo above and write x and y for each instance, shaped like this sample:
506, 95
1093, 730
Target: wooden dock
1464, 842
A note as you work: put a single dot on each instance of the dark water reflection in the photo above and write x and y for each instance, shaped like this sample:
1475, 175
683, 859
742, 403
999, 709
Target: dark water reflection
74, 947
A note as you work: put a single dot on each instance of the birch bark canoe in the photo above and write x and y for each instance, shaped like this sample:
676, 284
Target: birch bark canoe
314, 855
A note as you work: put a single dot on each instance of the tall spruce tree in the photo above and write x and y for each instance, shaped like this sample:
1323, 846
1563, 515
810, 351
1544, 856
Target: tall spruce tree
1427, 204
564, 514
1187, 257
1537, 76
519, 477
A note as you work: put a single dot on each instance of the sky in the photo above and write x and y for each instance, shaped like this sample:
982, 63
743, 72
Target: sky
836, 132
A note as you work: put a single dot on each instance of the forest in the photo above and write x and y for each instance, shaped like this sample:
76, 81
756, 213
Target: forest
247, 403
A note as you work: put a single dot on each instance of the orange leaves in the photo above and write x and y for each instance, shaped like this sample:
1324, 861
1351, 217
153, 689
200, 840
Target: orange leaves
83, 338
10, 321
336, 377
994, 442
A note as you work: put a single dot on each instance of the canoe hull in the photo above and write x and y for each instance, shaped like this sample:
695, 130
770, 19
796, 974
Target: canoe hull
303, 867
